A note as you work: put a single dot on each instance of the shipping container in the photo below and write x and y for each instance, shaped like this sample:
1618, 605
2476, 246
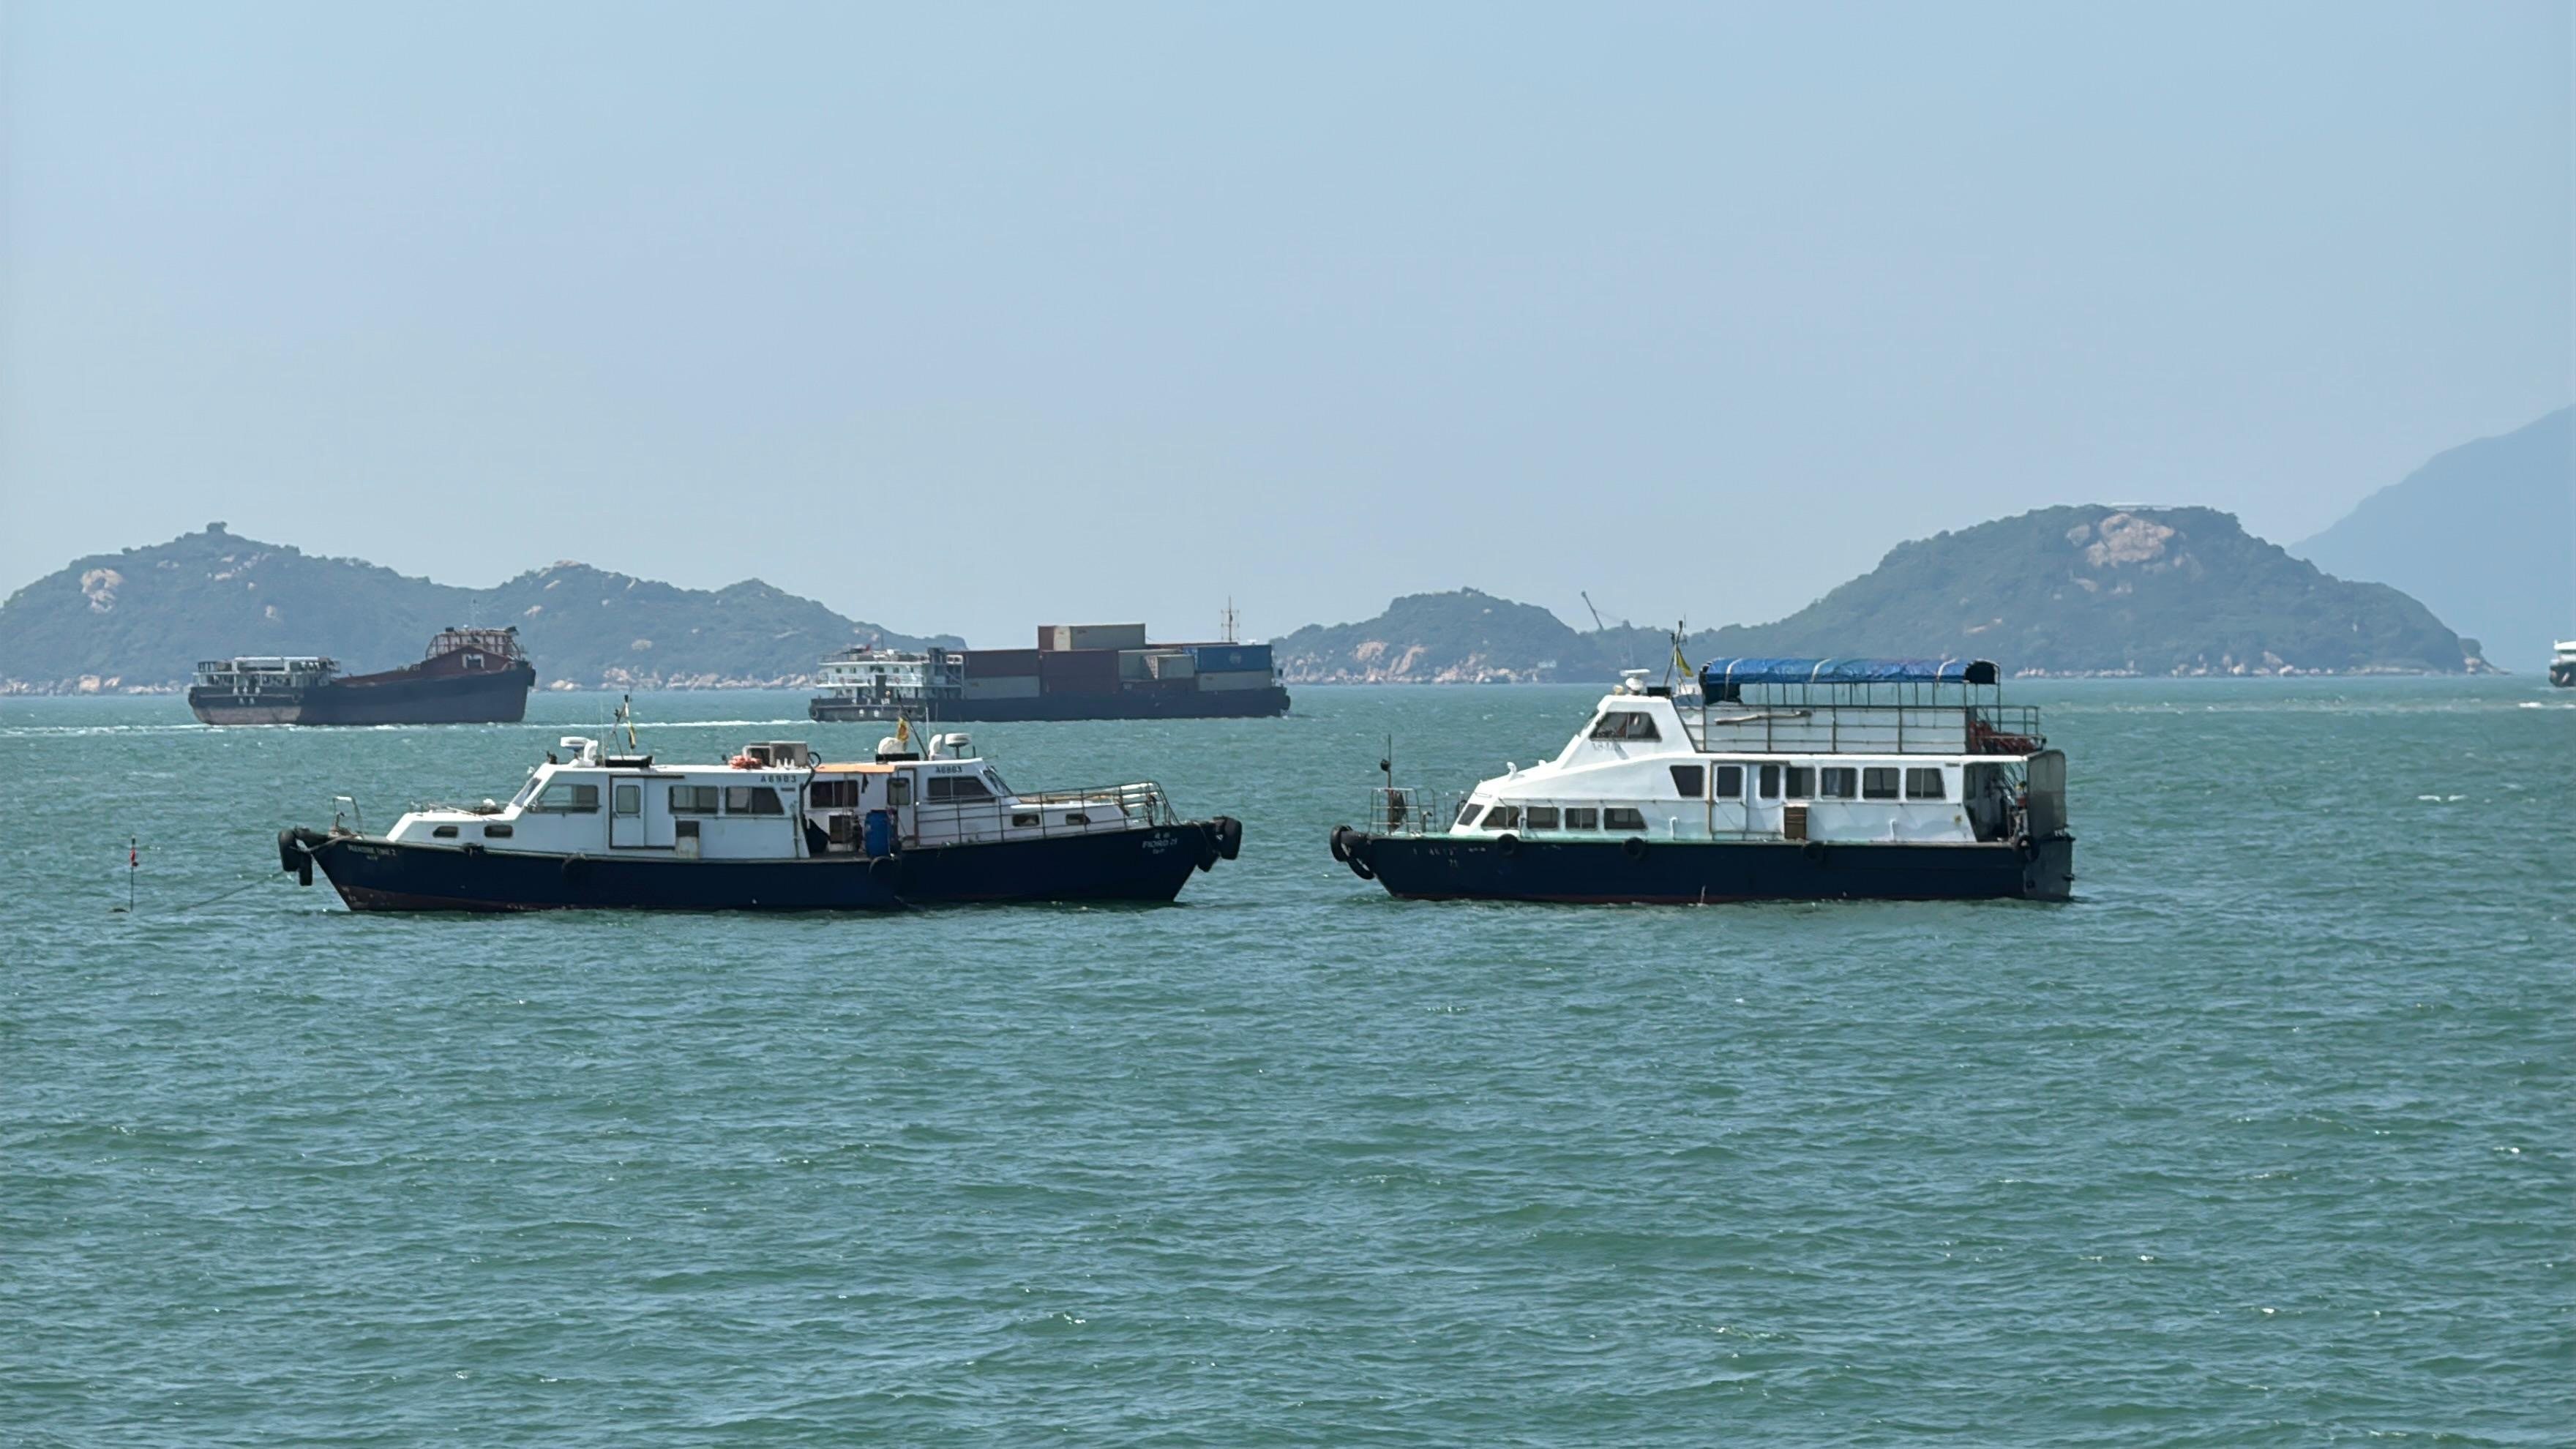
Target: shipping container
1078, 671
1235, 679
1007, 686
1231, 658
1091, 636
1135, 664
1174, 665
1001, 663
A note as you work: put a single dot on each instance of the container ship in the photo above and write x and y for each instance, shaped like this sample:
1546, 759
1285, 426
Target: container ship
468, 676
1078, 671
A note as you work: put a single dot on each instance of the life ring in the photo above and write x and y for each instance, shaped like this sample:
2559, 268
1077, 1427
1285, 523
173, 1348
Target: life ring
1634, 847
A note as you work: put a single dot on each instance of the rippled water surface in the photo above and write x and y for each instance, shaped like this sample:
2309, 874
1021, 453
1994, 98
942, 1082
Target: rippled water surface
2264, 1139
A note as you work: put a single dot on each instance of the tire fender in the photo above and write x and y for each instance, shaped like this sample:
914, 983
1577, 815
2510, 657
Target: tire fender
1634, 847
1507, 845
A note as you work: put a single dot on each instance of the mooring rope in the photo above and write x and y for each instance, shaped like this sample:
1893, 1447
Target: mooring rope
228, 895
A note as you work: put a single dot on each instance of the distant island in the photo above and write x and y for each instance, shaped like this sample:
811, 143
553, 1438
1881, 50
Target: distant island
141, 619
2080, 590
2484, 534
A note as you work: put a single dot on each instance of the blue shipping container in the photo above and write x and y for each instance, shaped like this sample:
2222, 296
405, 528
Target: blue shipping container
1229, 658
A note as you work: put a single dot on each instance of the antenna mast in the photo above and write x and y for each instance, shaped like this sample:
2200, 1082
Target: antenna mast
1230, 621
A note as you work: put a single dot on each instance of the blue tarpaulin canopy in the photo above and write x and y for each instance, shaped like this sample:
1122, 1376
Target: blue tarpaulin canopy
1719, 672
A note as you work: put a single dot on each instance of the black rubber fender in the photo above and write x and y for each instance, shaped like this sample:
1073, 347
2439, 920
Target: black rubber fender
1229, 836
1634, 847
886, 871
1814, 851
576, 867
304, 871
1363, 869
1507, 845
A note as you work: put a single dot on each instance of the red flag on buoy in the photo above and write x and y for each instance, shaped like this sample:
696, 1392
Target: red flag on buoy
133, 856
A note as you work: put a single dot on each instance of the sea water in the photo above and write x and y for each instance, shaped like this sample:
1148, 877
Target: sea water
2264, 1138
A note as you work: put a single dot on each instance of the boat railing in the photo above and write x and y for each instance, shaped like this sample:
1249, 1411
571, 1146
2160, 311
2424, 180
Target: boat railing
1865, 729
1049, 813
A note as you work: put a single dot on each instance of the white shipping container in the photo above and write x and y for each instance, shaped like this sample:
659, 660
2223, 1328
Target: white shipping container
1236, 679
1175, 665
1095, 636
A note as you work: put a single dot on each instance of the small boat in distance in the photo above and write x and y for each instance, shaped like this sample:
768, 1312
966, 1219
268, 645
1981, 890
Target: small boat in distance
2562, 664
467, 676
773, 828
1788, 779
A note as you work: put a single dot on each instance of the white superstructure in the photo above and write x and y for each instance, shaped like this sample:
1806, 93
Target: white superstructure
1830, 767
774, 801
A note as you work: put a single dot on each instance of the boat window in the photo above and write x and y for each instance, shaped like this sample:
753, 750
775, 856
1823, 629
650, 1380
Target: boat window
1770, 782
693, 799
1619, 817
1503, 817
630, 799
1802, 782
752, 800
1841, 782
1027, 817
956, 787
1582, 817
1467, 814
1625, 724
444, 832
566, 798
1541, 817
1878, 782
1924, 784
498, 832
995, 781
898, 790
840, 794
1730, 782
1690, 780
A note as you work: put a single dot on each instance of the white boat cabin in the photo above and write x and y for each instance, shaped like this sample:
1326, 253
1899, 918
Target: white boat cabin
773, 801
1895, 758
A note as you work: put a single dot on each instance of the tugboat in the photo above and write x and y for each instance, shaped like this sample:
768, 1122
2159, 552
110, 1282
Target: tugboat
773, 829
1788, 779
467, 676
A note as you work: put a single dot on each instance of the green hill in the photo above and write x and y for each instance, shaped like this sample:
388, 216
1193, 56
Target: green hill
2087, 589
143, 617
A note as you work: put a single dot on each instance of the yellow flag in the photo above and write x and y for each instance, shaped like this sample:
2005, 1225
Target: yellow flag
1679, 662
902, 730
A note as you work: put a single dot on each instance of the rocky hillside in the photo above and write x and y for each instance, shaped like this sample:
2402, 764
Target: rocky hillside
2484, 534
2075, 590
142, 618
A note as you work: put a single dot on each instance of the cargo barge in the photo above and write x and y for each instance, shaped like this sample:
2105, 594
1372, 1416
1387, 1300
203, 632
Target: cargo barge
467, 676
1078, 671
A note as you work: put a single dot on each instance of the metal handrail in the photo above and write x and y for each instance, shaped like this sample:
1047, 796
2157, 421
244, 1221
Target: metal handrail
1143, 803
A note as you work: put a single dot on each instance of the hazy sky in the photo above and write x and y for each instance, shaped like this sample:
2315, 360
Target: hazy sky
966, 318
